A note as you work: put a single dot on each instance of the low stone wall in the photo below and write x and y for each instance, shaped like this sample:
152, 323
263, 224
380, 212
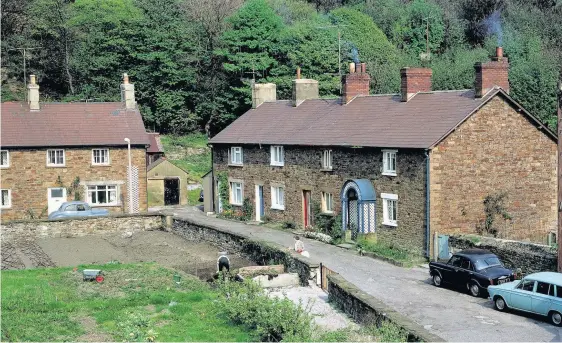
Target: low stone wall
263, 253
530, 257
368, 310
77, 227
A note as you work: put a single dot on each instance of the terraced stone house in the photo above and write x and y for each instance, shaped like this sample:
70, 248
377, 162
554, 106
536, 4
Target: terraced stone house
53, 152
402, 166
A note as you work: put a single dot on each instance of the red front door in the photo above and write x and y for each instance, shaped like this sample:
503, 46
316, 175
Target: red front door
307, 211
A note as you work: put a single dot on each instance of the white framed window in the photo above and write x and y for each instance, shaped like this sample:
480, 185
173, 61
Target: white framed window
6, 198
327, 202
4, 158
277, 155
327, 159
236, 155
103, 195
100, 157
55, 158
389, 162
236, 193
278, 197
389, 209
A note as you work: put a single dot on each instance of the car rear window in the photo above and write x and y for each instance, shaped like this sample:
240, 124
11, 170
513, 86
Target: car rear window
486, 262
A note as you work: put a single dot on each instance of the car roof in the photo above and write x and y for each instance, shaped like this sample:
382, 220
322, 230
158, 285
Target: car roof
73, 203
473, 252
550, 277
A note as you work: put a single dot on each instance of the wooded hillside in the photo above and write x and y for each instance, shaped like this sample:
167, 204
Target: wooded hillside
192, 60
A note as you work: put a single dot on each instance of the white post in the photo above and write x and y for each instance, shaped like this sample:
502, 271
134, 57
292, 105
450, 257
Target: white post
129, 176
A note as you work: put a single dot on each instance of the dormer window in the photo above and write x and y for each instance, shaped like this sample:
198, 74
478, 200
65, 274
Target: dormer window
389, 162
236, 155
277, 155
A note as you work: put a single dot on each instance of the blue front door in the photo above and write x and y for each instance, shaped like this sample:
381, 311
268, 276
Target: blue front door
262, 203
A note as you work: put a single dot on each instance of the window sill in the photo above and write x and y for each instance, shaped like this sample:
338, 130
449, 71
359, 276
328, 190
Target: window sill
104, 205
235, 165
277, 164
326, 169
100, 165
389, 174
234, 204
5, 208
390, 224
280, 208
328, 214
5, 167
56, 166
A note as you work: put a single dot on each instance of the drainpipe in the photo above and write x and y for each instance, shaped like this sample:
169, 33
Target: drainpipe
427, 230
213, 181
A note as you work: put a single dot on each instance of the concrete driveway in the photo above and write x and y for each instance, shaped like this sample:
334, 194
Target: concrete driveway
452, 315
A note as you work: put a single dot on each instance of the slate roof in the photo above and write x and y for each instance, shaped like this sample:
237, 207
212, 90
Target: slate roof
70, 124
368, 121
155, 143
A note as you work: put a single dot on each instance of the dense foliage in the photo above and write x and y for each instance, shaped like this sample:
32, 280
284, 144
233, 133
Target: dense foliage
192, 61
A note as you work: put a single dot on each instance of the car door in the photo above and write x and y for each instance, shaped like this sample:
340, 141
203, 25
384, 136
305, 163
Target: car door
521, 297
542, 298
449, 270
463, 273
83, 210
456, 271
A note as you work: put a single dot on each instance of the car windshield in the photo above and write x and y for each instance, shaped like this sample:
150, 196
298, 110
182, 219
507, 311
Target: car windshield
486, 262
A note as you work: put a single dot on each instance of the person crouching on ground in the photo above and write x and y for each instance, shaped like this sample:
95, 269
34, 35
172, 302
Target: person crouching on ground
299, 247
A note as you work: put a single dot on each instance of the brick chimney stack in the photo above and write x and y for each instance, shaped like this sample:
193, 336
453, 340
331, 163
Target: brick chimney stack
492, 74
33, 94
356, 83
128, 93
414, 80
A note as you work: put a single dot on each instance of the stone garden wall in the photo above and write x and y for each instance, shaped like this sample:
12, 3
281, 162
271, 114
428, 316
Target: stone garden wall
530, 257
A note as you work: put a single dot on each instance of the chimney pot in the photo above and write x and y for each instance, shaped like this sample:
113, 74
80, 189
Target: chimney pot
33, 94
298, 73
363, 67
128, 93
414, 80
352, 68
499, 52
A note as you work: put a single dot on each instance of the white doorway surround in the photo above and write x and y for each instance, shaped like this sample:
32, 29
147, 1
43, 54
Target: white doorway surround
55, 197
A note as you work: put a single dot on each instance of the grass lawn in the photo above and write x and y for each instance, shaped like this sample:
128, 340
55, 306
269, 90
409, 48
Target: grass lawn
189, 152
132, 304
393, 252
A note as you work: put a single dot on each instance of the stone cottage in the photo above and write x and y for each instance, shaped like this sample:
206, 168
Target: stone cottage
402, 166
53, 152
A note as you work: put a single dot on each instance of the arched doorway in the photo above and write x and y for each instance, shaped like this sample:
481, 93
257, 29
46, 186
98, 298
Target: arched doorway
358, 203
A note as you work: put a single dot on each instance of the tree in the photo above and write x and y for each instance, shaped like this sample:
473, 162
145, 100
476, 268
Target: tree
382, 58
420, 16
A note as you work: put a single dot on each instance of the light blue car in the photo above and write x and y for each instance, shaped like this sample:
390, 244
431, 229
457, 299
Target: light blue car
539, 293
74, 209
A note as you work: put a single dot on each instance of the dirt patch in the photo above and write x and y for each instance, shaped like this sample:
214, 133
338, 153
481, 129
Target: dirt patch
164, 248
89, 325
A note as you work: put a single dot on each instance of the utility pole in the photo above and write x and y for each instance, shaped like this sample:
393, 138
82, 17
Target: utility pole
24, 53
559, 235
339, 48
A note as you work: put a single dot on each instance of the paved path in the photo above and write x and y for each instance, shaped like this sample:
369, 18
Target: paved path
447, 313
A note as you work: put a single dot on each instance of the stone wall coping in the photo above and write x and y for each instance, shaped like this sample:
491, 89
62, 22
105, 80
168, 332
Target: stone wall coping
296, 256
486, 239
381, 309
119, 215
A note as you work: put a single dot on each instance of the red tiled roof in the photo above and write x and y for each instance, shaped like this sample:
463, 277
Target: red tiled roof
375, 121
70, 124
155, 144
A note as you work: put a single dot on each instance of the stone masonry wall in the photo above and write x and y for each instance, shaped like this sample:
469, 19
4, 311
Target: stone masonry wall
31, 229
260, 252
497, 150
29, 178
531, 258
302, 171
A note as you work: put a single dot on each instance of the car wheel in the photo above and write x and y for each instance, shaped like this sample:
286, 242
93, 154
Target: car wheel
500, 304
555, 318
474, 289
437, 280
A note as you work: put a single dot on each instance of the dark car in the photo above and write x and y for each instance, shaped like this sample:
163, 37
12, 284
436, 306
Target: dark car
201, 196
472, 269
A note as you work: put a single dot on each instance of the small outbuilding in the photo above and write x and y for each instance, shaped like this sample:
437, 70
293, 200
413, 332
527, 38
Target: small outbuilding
166, 184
